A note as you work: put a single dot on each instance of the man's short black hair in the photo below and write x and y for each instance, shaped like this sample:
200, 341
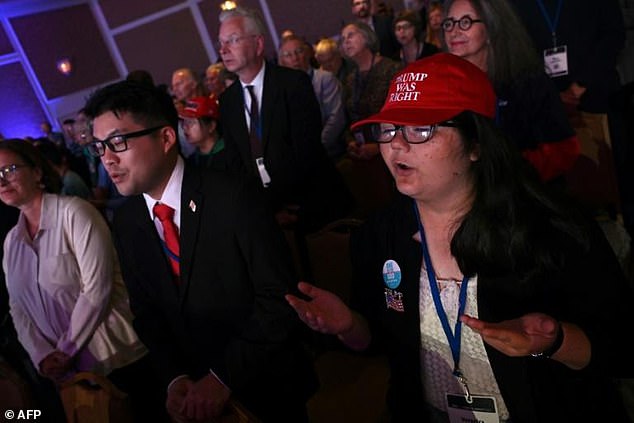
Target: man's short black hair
146, 104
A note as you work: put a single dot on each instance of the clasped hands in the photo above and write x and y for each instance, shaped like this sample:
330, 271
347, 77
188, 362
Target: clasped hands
200, 401
56, 366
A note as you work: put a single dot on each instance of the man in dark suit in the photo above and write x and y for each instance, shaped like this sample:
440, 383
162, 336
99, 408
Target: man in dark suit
211, 308
382, 26
302, 184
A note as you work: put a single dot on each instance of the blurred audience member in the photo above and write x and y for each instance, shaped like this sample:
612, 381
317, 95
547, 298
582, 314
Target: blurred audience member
294, 54
185, 85
364, 94
408, 29
433, 34
330, 59
56, 138
72, 183
381, 25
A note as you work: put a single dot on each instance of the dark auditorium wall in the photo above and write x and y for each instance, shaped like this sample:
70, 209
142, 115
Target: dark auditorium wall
105, 39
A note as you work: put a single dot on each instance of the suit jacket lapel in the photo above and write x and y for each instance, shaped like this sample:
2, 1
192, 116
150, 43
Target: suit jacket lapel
192, 203
269, 94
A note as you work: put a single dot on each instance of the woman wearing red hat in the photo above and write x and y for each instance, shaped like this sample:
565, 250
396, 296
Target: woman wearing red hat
200, 121
481, 288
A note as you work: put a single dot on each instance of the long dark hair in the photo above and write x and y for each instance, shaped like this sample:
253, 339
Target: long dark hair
32, 157
515, 222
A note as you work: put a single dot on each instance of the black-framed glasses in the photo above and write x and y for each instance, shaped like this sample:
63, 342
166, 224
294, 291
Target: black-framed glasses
118, 142
464, 23
7, 173
384, 133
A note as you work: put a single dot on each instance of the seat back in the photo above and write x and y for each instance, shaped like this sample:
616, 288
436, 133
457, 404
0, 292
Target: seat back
92, 398
329, 255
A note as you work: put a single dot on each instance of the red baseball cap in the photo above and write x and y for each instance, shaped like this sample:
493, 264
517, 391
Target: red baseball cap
433, 90
198, 107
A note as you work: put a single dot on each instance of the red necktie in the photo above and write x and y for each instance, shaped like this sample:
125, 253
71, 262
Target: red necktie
170, 235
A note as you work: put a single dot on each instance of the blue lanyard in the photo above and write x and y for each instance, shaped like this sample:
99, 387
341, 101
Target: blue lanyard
454, 337
552, 24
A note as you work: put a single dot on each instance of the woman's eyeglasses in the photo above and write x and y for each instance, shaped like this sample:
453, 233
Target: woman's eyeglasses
7, 173
464, 23
384, 133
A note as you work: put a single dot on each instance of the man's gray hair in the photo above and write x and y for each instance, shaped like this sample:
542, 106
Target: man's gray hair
254, 25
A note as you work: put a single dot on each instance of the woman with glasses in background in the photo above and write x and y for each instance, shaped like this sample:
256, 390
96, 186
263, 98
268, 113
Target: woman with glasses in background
66, 295
490, 35
493, 300
408, 29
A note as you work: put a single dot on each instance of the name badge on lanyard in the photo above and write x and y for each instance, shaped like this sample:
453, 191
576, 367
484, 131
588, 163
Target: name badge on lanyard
481, 409
555, 58
556, 61
264, 174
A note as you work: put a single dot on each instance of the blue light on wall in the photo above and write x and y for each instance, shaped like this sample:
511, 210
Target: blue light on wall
20, 111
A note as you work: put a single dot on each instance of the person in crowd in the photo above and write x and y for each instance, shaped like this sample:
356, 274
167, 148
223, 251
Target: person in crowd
489, 34
89, 166
272, 118
433, 34
380, 24
293, 54
200, 122
214, 82
68, 131
365, 90
364, 93
208, 300
588, 37
72, 183
420, 8
408, 29
330, 59
104, 193
54, 137
185, 85
66, 296
227, 77
479, 285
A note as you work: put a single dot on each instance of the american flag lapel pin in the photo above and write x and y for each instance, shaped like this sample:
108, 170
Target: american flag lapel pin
192, 206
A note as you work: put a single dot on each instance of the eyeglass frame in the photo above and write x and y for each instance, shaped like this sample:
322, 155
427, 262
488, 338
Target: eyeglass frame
466, 18
10, 170
402, 128
97, 152
403, 26
232, 41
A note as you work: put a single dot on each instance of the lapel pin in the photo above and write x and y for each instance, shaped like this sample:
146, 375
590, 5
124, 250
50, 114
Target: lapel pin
192, 206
